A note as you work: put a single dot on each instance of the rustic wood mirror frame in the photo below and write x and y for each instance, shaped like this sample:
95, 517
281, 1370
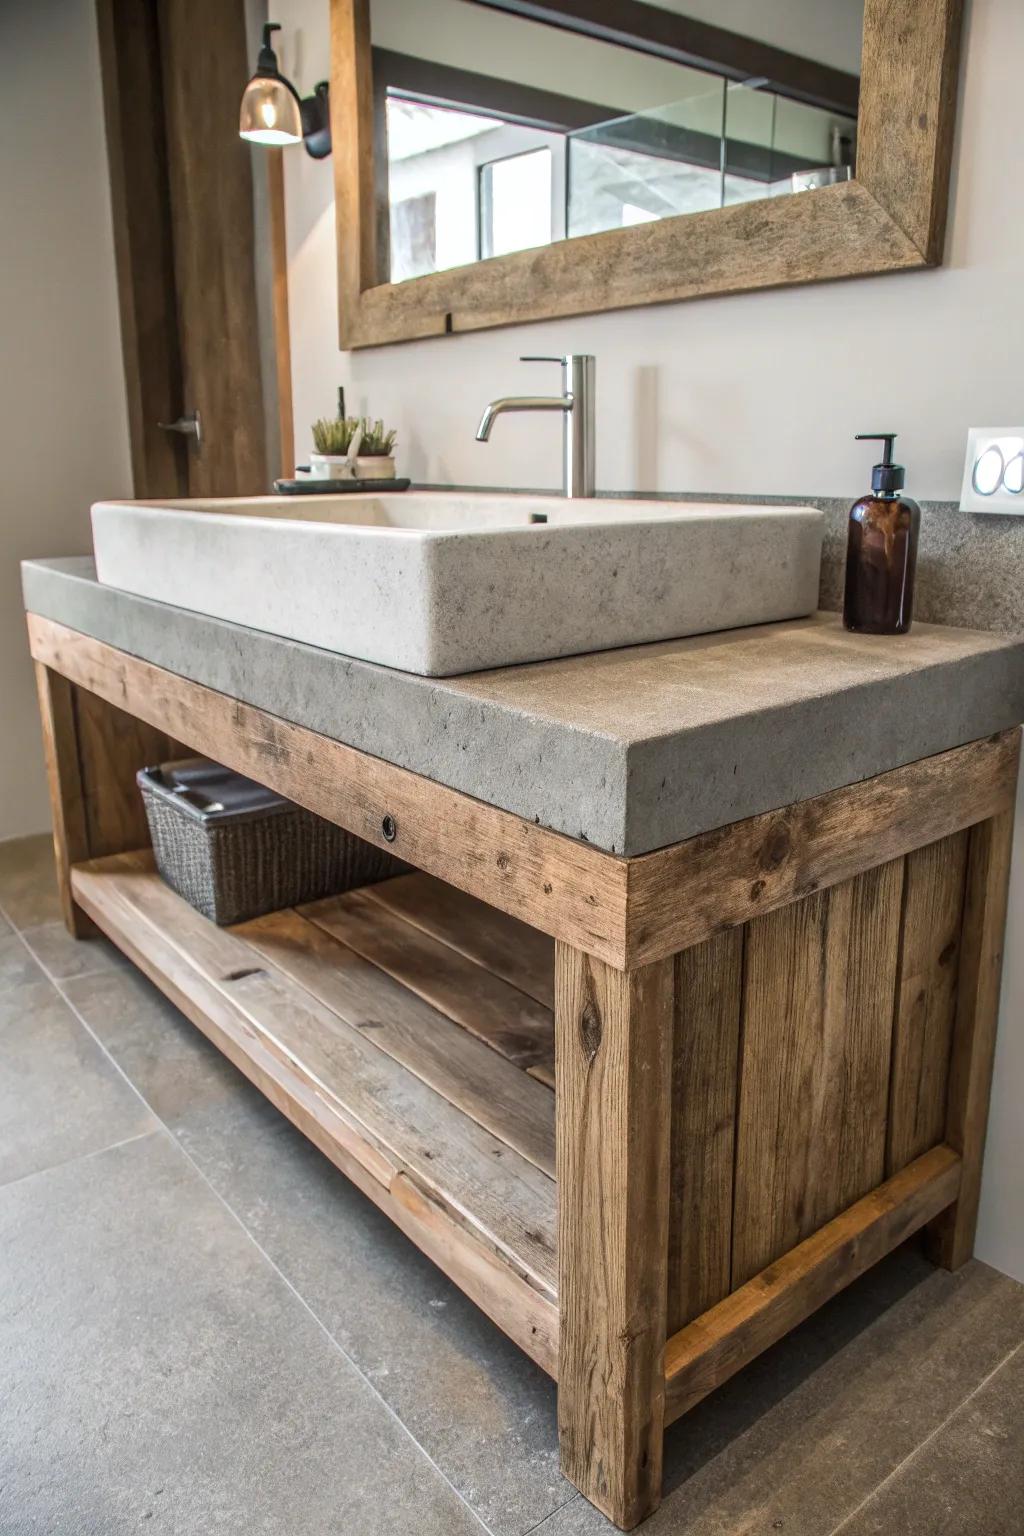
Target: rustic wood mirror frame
891, 218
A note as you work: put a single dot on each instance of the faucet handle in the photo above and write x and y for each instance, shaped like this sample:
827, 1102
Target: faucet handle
531, 358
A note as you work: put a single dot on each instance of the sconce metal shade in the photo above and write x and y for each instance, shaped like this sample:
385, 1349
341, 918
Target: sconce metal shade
270, 112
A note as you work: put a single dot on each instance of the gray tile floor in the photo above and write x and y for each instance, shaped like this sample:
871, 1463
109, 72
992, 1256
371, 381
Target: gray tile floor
205, 1329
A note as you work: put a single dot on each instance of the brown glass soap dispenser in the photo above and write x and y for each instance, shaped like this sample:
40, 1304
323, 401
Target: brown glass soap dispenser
881, 550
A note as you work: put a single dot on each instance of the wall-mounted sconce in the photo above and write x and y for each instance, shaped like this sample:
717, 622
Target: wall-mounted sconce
272, 111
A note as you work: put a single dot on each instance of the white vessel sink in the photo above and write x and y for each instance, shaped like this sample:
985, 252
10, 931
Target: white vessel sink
440, 583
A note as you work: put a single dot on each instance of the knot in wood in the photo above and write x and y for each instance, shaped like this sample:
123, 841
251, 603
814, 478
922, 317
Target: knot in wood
776, 847
591, 1030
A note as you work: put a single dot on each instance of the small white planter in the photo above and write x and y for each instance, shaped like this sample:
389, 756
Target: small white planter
339, 466
330, 466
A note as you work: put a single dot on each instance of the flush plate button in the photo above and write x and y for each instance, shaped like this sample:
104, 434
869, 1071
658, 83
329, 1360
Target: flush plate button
994, 471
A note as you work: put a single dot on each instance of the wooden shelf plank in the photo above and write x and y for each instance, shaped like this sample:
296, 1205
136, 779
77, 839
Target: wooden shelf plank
484, 1212
519, 954
493, 1091
514, 1024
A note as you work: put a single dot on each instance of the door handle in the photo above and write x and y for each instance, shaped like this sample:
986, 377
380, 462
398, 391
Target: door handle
189, 426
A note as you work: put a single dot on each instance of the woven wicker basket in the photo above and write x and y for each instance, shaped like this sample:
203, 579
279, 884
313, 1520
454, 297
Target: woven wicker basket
235, 850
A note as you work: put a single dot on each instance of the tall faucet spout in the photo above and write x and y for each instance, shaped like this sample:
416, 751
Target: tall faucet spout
576, 403
519, 403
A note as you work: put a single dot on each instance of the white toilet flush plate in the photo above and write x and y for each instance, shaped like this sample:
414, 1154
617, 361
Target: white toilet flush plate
994, 471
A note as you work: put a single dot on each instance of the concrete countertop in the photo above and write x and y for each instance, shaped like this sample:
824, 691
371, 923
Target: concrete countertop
629, 749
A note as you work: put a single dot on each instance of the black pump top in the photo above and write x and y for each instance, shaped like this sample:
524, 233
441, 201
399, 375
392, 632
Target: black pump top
886, 476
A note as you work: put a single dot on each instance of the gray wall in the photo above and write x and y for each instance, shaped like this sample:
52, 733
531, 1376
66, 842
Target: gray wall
63, 417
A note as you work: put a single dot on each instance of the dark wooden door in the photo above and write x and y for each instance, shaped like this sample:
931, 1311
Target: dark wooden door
181, 184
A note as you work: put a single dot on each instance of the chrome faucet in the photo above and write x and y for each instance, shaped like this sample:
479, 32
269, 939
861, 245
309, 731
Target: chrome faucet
576, 402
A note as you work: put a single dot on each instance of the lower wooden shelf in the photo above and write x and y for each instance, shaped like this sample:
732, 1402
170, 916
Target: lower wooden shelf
406, 1029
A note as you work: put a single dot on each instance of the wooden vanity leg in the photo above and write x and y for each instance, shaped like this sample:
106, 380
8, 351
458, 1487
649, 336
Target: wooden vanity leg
67, 800
93, 751
613, 1065
951, 1235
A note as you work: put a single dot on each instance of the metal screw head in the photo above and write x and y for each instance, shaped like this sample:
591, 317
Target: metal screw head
389, 829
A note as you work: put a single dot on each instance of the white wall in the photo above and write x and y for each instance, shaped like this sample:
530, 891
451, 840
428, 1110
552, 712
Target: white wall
755, 393
761, 393
63, 422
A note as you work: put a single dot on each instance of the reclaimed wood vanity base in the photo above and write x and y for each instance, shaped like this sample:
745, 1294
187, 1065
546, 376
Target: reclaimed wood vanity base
749, 1065
452, 1138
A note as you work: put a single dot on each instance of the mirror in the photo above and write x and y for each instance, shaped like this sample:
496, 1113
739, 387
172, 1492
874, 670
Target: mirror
504, 133
505, 161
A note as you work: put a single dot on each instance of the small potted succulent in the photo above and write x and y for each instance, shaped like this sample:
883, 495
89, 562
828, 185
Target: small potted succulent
333, 442
352, 447
376, 452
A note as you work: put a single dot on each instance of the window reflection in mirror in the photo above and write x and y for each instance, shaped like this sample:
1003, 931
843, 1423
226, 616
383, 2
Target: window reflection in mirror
504, 133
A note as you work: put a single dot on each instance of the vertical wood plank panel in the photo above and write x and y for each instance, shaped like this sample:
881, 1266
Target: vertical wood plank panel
205, 59
933, 897
613, 1034
112, 747
709, 981
133, 104
817, 1033
974, 1037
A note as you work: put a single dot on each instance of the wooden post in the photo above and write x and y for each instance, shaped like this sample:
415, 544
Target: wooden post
67, 798
970, 1072
613, 1050
93, 750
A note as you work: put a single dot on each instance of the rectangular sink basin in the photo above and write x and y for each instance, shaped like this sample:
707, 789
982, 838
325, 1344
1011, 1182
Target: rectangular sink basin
439, 583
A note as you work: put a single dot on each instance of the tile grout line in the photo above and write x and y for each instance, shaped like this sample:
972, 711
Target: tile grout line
79, 1157
320, 1324
912, 1455
574, 1498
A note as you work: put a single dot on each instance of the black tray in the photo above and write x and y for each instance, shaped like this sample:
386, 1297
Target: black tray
313, 487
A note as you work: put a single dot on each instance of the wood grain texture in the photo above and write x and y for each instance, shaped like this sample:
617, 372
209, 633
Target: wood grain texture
933, 898
279, 298
352, 140
714, 1347
210, 179
756, 866
93, 751
521, 955
907, 115
112, 747
833, 232
614, 1060
491, 1090
376, 1120
561, 886
814, 1085
504, 1018
974, 1038
616, 909
706, 1034
890, 218
133, 106
67, 800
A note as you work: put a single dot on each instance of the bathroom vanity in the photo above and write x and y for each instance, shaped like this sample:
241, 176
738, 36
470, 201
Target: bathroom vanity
685, 1015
